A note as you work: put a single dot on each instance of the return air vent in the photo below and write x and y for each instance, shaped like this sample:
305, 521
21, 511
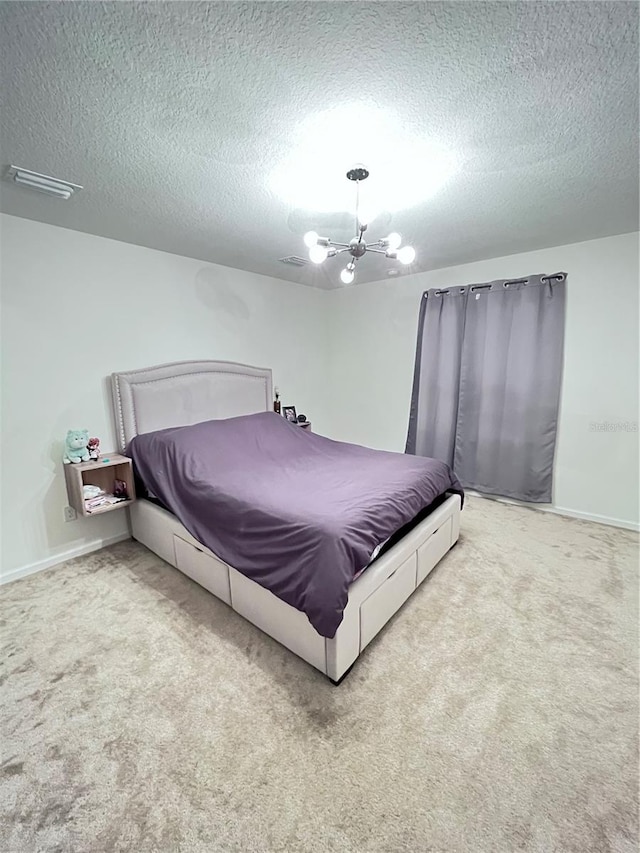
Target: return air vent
294, 260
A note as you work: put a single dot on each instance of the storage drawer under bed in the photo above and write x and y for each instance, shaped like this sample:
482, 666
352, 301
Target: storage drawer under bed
379, 607
203, 568
390, 595
434, 549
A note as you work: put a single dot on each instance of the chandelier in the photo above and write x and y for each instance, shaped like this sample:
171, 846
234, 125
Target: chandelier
321, 248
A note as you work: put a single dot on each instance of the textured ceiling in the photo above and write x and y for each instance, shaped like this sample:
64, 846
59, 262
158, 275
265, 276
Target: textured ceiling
173, 117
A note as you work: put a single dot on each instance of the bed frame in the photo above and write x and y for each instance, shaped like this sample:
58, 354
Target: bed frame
188, 392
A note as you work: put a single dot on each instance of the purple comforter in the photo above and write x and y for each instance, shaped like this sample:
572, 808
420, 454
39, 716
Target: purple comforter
295, 512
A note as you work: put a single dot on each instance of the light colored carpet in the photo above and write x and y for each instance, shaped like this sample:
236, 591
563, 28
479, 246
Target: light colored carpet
497, 712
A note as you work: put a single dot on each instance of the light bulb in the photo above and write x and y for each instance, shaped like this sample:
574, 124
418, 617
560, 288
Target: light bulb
318, 254
393, 240
347, 276
366, 215
310, 239
406, 255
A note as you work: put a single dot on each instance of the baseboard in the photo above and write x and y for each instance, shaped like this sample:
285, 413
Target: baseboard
49, 562
559, 510
599, 519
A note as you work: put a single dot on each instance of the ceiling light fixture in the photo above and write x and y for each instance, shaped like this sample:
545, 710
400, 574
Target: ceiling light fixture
42, 183
321, 248
387, 140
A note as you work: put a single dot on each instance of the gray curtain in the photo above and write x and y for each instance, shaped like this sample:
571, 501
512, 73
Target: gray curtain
486, 383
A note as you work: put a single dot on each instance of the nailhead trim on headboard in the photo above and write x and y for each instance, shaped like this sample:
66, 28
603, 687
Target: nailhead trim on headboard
172, 371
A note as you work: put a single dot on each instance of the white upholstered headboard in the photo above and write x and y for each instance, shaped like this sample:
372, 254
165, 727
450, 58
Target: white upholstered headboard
187, 392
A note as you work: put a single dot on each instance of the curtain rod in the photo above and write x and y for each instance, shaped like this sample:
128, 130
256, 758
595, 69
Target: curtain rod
556, 276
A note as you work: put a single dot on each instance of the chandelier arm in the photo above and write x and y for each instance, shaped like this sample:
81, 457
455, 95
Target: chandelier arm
339, 245
377, 251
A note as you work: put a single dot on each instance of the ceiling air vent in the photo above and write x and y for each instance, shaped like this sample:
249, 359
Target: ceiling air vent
294, 260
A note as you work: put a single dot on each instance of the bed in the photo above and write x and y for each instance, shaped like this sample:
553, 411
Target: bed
154, 401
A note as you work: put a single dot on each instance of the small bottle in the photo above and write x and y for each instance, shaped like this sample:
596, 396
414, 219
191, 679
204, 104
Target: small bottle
276, 404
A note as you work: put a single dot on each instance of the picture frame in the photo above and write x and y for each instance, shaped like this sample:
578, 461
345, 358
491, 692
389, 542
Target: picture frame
289, 412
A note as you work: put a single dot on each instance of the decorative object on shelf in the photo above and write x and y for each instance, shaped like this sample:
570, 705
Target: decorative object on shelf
302, 419
89, 492
93, 446
102, 501
321, 248
120, 490
290, 414
276, 403
75, 446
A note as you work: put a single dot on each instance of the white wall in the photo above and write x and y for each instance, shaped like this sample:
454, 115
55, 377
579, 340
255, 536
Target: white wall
372, 345
75, 308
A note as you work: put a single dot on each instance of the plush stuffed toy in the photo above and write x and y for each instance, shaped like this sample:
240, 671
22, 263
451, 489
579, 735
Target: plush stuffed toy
93, 446
75, 446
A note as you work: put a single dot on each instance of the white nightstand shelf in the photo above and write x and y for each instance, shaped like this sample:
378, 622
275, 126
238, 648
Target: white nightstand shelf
102, 473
